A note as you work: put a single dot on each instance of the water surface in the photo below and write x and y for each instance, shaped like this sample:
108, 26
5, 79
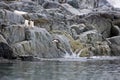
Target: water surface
61, 70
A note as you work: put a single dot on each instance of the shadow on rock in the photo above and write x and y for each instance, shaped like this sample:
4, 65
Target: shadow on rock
6, 51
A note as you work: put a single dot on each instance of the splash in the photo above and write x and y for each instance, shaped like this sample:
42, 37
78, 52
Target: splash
73, 55
79, 53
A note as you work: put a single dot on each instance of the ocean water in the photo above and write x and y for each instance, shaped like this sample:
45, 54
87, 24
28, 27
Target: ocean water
60, 69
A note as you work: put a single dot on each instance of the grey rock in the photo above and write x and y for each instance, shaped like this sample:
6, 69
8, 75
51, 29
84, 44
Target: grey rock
86, 20
2, 39
76, 30
23, 48
9, 17
114, 40
88, 4
26, 58
80, 28
56, 13
115, 45
102, 49
3, 5
41, 1
90, 37
73, 3
41, 43
14, 33
38, 18
69, 9
101, 24
5, 50
84, 12
27, 6
115, 31
50, 4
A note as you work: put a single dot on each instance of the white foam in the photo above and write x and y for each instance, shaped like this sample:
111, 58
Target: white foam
73, 55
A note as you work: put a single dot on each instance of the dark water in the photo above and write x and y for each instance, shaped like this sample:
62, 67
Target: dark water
61, 70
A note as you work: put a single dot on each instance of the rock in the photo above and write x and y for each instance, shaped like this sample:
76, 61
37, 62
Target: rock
84, 12
41, 1
26, 6
115, 43
98, 49
104, 3
115, 31
80, 28
50, 4
26, 58
76, 30
102, 49
88, 4
56, 13
90, 37
67, 41
76, 22
88, 52
9, 17
115, 49
2, 39
114, 3
114, 40
3, 5
101, 24
69, 9
37, 18
24, 48
14, 33
74, 34
40, 44
66, 8
44, 46
57, 21
73, 3
116, 22
6, 51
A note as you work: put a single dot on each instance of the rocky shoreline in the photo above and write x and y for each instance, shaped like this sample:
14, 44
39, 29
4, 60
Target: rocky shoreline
28, 28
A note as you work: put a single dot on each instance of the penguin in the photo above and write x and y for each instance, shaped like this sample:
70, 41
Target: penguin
58, 45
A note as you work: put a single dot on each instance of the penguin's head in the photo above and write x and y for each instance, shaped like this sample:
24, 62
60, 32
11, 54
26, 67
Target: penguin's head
56, 40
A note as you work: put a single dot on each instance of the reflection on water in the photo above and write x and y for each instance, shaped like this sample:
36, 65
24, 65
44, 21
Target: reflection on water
66, 70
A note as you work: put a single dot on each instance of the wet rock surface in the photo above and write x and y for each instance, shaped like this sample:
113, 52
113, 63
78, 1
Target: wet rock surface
115, 45
77, 24
6, 51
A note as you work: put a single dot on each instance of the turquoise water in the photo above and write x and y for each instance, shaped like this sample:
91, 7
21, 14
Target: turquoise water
61, 70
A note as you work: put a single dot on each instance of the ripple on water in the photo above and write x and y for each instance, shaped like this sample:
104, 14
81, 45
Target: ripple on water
58, 69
